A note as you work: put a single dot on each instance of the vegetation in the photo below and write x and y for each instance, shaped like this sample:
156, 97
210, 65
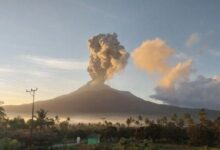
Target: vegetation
139, 133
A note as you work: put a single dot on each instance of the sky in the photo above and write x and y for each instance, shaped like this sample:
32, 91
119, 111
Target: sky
44, 44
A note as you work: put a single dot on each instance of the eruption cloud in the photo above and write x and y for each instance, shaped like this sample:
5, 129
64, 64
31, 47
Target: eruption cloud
107, 57
153, 56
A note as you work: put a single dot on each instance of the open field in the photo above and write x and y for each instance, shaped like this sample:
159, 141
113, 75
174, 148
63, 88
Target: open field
138, 147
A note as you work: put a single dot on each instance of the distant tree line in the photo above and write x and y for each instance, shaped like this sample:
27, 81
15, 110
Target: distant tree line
172, 130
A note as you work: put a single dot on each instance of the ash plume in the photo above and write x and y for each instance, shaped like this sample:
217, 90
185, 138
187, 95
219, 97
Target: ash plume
107, 57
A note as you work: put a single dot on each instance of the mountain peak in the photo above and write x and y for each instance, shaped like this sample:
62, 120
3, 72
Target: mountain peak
94, 87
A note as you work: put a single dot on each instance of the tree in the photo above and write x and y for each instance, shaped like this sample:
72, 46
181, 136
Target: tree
140, 119
64, 126
137, 123
68, 119
3, 120
50, 122
162, 121
108, 123
117, 124
110, 132
188, 119
153, 132
180, 123
147, 121
10, 144
201, 135
41, 114
202, 117
17, 123
129, 121
217, 128
42, 120
2, 112
57, 119
174, 118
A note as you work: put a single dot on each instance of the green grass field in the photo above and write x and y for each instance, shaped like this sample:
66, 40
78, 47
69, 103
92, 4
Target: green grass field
141, 147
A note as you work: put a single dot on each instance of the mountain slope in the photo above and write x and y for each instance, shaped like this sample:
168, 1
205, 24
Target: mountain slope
102, 99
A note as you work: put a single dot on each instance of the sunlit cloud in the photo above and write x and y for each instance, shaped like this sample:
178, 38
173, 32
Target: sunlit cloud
153, 56
55, 63
192, 40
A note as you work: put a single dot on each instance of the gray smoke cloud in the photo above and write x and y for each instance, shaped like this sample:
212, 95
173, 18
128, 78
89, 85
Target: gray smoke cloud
200, 93
107, 57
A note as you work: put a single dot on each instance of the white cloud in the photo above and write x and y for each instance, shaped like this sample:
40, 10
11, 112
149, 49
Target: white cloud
35, 73
182, 56
56, 63
95, 9
6, 70
192, 40
200, 93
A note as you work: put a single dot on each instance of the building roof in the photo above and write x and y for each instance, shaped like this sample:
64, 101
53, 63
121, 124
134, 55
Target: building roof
94, 135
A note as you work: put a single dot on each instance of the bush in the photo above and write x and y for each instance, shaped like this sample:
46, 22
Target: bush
10, 144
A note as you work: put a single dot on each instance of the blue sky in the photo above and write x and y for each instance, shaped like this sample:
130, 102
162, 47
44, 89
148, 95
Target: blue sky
43, 43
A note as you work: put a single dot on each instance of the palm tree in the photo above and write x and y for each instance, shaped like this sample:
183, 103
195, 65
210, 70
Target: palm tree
117, 124
188, 119
180, 122
137, 123
2, 116
174, 118
140, 118
202, 116
146, 121
57, 119
41, 114
129, 121
68, 119
162, 121
3, 120
217, 124
2, 112
64, 126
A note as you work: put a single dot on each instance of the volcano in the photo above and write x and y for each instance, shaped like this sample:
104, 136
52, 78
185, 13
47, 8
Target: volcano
102, 99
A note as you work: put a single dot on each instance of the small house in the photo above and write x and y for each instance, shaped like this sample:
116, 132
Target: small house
93, 139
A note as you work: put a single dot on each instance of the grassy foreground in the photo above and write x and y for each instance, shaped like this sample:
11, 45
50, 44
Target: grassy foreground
140, 147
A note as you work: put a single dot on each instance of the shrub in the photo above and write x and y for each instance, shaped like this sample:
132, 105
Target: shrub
10, 144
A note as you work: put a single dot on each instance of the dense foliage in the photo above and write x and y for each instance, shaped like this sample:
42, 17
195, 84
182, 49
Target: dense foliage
141, 130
